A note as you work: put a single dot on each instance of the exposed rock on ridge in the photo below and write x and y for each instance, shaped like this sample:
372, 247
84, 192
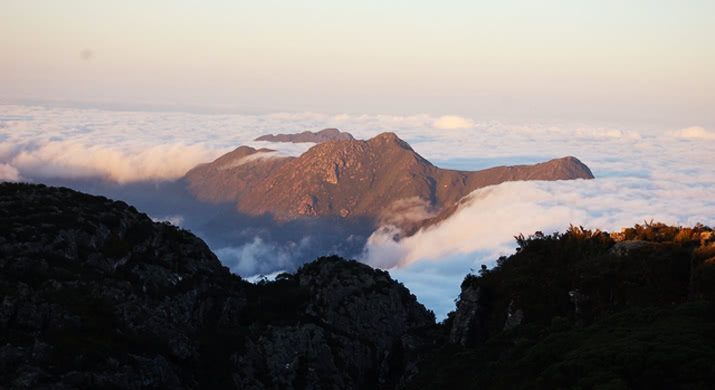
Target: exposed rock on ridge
324, 135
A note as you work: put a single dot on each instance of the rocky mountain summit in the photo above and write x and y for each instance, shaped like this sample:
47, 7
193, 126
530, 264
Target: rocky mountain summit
381, 179
317, 137
96, 295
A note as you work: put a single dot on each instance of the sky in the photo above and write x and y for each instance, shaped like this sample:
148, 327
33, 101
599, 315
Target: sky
645, 62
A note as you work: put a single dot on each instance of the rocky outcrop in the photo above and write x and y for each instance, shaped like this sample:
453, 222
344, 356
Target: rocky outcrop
109, 298
514, 316
628, 247
324, 135
358, 331
468, 324
96, 295
233, 174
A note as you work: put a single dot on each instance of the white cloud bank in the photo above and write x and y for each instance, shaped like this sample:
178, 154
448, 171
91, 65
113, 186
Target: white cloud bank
41, 142
642, 173
251, 258
695, 132
483, 228
490, 217
71, 159
9, 173
453, 122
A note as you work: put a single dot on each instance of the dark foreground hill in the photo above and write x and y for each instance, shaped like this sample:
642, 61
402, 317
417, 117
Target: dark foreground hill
96, 295
586, 310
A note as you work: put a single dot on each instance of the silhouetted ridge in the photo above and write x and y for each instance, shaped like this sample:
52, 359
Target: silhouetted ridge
96, 295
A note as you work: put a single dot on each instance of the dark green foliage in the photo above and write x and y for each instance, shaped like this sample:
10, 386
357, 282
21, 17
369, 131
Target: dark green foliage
645, 348
645, 316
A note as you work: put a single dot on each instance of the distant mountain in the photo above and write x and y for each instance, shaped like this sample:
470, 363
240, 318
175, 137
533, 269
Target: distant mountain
233, 174
381, 179
324, 135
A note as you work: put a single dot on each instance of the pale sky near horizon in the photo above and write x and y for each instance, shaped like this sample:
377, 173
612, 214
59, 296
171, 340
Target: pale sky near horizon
634, 61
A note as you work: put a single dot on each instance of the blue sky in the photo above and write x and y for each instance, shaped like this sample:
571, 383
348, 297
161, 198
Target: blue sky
614, 61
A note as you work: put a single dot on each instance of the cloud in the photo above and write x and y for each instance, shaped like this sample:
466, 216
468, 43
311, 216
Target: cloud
9, 173
73, 159
695, 133
405, 211
487, 219
260, 257
176, 220
608, 133
490, 217
251, 158
484, 226
260, 277
452, 122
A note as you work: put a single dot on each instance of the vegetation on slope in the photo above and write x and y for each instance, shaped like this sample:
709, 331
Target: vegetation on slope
626, 310
96, 295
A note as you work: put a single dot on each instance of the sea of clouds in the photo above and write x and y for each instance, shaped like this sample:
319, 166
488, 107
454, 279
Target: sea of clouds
642, 173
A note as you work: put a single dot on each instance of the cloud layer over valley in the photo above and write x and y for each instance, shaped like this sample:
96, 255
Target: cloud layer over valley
642, 173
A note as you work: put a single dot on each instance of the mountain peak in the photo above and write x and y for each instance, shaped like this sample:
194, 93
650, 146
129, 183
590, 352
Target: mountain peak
373, 179
389, 138
570, 166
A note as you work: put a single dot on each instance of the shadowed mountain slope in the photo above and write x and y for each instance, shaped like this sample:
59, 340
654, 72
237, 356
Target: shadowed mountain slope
96, 295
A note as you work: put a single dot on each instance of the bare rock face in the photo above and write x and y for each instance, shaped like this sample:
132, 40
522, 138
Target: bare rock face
368, 179
324, 135
514, 316
627, 247
233, 174
96, 295
468, 325
359, 321
109, 297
